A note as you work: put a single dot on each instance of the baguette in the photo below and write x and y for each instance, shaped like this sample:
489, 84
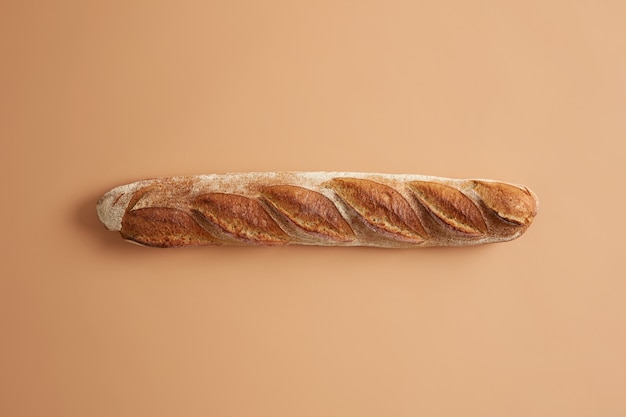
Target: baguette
317, 208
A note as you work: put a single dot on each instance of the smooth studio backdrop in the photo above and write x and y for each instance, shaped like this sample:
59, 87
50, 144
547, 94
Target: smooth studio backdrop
97, 94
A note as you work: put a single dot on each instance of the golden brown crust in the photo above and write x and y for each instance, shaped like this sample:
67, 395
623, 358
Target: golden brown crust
451, 206
507, 201
164, 227
381, 207
241, 217
333, 209
309, 210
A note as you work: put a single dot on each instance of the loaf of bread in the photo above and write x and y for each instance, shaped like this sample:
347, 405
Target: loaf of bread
317, 208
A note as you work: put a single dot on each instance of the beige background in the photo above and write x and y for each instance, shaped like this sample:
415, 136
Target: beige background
96, 94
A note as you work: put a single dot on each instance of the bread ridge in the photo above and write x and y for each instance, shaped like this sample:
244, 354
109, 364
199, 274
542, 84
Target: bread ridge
317, 208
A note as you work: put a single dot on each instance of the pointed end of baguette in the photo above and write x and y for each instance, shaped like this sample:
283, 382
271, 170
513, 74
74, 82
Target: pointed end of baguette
111, 208
112, 205
514, 203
